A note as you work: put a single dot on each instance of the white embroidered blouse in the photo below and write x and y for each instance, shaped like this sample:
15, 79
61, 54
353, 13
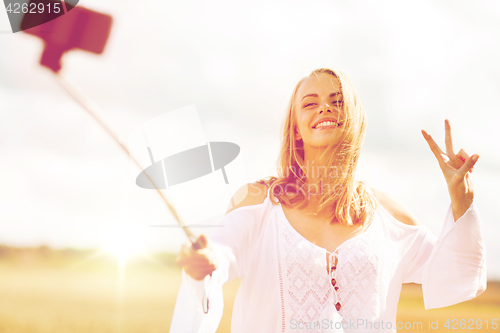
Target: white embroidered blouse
286, 286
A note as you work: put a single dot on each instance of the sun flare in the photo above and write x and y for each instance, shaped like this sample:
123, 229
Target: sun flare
123, 244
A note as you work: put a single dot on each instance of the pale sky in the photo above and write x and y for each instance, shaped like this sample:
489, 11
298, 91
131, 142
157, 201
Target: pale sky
65, 183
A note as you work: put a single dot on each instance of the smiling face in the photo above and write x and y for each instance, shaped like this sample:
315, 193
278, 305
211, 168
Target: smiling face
319, 111
324, 95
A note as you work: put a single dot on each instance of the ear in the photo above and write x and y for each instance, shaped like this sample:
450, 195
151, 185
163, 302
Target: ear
297, 135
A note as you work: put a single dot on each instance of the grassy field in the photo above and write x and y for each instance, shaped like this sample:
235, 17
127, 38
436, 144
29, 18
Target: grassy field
45, 291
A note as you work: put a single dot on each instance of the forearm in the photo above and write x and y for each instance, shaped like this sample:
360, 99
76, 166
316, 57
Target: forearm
462, 196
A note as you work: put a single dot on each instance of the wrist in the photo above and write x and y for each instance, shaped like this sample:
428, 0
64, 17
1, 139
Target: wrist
460, 205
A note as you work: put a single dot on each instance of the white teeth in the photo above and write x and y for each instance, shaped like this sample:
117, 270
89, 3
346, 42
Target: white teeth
325, 123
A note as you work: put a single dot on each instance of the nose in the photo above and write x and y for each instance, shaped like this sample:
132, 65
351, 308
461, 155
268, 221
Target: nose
325, 107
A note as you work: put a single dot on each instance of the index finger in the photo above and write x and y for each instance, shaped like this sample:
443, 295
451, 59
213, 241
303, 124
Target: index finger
434, 148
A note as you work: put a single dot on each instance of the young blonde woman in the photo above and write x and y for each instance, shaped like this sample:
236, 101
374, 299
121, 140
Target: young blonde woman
318, 251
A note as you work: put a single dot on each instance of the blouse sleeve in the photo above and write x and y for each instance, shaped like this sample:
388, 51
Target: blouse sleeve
199, 304
451, 267
233, 242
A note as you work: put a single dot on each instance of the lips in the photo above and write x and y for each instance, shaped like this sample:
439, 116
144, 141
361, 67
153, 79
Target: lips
323, 120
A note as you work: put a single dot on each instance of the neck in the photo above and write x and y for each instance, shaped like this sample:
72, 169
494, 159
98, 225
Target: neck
317, 171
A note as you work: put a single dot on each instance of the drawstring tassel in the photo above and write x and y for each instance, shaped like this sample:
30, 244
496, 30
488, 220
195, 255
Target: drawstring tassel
330, 320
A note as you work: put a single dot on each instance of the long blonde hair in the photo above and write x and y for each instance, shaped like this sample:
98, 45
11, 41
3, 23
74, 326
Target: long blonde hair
346, 200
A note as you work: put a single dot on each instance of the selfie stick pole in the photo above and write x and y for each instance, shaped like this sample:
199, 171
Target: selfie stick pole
91, 108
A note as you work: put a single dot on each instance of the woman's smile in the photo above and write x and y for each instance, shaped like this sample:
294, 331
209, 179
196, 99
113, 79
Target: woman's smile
326, 125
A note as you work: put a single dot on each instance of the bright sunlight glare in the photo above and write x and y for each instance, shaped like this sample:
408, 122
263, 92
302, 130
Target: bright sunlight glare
123, 242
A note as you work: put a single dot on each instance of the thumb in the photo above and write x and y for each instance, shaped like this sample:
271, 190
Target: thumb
201, 242
468, 165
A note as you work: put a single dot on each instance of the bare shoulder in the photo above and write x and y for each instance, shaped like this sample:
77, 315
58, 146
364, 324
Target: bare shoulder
396, 209
248, 195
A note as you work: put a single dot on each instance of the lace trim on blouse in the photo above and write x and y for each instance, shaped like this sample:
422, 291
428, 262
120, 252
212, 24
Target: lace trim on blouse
351, 282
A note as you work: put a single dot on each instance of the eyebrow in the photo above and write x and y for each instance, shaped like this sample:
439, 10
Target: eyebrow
316, 95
